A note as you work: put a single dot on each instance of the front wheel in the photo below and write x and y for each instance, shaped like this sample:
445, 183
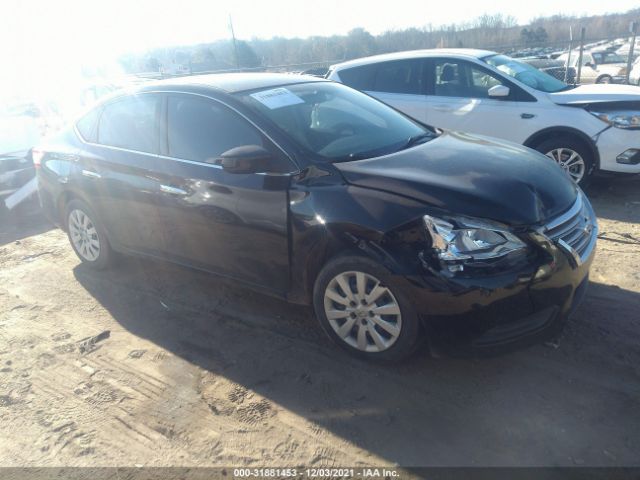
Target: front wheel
362, 311
604, 79
572, 156
86, 235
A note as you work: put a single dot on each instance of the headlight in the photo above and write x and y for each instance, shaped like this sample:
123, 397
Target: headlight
470, 239
626, 120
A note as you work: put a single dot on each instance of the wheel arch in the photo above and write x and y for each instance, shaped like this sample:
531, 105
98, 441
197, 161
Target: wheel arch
339, 240
560, 131
65, 197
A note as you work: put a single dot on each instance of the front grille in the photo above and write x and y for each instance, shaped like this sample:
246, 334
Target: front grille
576, 228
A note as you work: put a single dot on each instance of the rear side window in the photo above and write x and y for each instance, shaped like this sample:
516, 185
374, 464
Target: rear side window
131, 123
88, 125
402, 76
201, 129
360, 78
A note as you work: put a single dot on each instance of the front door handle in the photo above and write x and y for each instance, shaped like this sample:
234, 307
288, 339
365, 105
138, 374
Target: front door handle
91, 174
172, 190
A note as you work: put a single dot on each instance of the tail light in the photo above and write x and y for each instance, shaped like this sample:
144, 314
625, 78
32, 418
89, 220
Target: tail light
36, 156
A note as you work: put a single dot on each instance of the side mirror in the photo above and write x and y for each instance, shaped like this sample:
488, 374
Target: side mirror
590, 64
499, 91
245, 159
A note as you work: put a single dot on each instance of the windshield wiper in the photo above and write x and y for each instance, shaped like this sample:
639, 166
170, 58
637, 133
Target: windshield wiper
416, 139
411, 141
351, 157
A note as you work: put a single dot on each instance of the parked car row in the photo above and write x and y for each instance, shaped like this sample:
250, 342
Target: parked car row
585, 129
598, 66
555, 68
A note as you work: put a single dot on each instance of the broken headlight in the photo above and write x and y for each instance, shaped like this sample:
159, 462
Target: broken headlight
464, 240
620, 119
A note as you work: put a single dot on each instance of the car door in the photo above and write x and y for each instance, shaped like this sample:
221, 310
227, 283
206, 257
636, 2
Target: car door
117, 160
459, 100
399, 83
589, 72
234, 224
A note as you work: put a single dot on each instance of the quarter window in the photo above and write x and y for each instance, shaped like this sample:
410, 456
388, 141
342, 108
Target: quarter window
360, 78
404, 76
88, 125
131, 123
201, 129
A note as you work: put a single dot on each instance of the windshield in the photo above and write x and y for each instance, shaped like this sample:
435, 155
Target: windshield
335, 122
603, 58
526, 74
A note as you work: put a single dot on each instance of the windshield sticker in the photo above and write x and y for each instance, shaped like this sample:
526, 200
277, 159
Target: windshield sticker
277, 98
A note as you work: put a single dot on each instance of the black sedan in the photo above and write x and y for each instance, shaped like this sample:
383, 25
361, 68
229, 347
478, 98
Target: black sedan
319, 194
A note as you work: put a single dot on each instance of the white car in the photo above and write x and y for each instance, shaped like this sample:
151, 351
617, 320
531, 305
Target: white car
598, 66
634, 76
585, 128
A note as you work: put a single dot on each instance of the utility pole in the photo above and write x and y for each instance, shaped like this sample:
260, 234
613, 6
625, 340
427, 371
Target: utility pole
582, 32
568, 64
235, 46
632, 29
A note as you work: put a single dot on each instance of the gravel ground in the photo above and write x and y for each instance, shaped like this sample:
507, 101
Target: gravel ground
151, 364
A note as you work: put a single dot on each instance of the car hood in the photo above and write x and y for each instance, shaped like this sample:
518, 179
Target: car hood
471, 175
596, 93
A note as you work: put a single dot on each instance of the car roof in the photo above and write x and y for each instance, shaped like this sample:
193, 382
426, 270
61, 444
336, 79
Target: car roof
432, 52
231, 82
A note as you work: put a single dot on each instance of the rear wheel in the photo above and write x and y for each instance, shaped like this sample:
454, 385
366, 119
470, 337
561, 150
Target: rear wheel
362, 311
572, 156
604, 79
86, 235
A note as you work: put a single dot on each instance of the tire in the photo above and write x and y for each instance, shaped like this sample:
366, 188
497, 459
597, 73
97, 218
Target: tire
86, 235
402, 333
604, 79
561, 150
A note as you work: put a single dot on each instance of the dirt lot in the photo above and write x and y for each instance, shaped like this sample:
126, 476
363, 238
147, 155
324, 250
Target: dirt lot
199, 372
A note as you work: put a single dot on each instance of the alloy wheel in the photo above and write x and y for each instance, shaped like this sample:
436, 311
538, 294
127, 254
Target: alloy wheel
84, 235
362, 312
570, 161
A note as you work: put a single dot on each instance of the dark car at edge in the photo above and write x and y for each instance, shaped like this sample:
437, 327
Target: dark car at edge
321, 195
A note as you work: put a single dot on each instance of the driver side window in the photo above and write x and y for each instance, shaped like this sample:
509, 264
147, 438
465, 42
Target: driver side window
200, 129
456, 78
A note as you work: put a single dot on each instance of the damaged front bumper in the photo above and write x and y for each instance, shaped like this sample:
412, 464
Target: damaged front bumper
519, 306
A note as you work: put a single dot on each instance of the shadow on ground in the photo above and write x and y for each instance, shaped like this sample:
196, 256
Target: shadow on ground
570, 403
26, 220
616, 198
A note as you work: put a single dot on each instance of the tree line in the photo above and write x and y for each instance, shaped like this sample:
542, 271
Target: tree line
497, 32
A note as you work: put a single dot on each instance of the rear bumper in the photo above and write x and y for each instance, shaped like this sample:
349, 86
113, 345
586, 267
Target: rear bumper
47, 195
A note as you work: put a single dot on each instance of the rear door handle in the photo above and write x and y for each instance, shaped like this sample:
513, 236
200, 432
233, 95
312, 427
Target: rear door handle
172, 190
91, 174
